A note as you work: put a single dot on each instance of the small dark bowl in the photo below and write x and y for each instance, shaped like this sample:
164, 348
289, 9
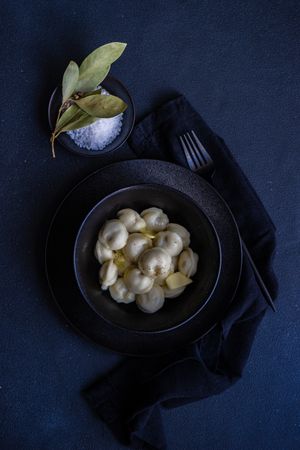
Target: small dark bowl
180, 209
114, 87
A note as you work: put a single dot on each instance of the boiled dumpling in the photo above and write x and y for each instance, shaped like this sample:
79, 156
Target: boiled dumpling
155, 218
137, 282
169, 241
161, 278
155, 262
174, 264
187, 263
131, 219
120, 293
103, 253
152, 301
108, 274
182, 232
136, 244
144, 258
172, 293
113, 234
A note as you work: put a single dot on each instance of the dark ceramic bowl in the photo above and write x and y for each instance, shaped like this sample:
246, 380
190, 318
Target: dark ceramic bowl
204, 241
114, 87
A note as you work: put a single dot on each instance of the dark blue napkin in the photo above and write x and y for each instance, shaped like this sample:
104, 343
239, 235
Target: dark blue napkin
130, 398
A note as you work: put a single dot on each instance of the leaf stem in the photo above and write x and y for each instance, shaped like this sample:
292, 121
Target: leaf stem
59, 114
52, 145
53, 135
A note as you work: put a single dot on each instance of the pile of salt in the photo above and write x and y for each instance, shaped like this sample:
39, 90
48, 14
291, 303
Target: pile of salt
99, 134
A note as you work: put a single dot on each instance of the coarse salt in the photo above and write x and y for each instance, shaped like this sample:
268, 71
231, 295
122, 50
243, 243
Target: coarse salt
99, 134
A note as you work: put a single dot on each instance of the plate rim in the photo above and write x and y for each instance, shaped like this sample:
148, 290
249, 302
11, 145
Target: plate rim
52, 221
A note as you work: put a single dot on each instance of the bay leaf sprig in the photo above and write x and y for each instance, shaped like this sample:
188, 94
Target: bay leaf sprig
82, 101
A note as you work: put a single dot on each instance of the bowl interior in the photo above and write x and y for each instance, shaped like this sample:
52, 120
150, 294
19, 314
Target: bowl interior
180, 209
113, 86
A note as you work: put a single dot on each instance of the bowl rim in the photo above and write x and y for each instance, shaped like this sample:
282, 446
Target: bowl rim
133, 187
90, 153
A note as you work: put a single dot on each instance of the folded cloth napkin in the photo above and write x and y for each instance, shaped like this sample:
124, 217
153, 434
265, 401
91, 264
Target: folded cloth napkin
130, 398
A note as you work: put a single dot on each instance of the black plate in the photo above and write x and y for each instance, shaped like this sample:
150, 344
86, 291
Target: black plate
65, 226
204, 241
115, 87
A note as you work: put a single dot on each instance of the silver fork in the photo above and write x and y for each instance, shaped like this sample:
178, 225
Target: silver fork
196, 155
200, 161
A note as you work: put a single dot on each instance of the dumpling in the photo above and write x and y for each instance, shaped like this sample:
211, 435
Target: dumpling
155, 218
172, 293
131, 219
174, 264
187, 263
155, 262
137, 282
169, 241
152, 301
161, 279
113, 234
120, 293
182, 232
103, 253
136, 244
108, 274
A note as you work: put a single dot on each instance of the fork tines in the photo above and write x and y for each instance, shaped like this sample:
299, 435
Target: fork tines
195, 153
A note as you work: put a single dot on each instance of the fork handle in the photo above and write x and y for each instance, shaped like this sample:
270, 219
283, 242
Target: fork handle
263, 287
259, 279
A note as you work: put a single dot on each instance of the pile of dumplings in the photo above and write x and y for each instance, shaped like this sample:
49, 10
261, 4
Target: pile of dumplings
144, 258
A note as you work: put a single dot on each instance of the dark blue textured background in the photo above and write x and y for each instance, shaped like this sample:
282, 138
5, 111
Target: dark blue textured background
238, 64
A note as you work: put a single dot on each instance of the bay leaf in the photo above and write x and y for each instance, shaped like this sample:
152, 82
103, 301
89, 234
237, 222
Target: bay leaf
81, 120
91, 81
96, 65
70, 79
96, 91
102, 106
77, 118
67, 116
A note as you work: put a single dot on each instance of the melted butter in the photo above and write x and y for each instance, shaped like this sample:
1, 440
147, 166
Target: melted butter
148, 233
120, 261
